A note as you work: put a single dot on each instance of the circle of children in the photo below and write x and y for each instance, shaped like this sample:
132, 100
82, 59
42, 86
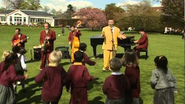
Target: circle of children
118, 87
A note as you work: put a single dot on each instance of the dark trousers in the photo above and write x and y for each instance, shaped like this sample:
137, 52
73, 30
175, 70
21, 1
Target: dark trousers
49, 102
138, 47
44, 57
79, 96
115, 101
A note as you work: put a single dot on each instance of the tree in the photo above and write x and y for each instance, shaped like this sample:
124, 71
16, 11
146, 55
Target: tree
46, 9
173, 13
142, 15
92, 17
114, 12
69, 12
22, 4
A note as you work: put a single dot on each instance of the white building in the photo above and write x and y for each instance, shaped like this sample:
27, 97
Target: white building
25, 17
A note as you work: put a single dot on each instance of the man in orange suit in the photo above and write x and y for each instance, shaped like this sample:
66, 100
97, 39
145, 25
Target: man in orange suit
47, 38
110, 33
143, 41
19, 36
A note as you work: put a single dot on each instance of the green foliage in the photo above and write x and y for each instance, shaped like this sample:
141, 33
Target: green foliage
171, 46
69, 12
173, 13
113, 12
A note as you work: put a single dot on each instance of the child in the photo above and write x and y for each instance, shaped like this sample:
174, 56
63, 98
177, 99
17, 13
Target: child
163, 81
9, 77
20, 66
77, 79
115, 85
83, 48
53, 77
132, 72
5, 53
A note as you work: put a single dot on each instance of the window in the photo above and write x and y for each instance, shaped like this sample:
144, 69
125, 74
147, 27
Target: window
10, 18
2, 18
24, 19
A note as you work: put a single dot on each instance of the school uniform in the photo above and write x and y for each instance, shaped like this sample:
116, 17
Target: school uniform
53, 78
133, 74
49, 47
6, 85
87, 60
143, 43
115, 87
110, 44
165, 84
77, 79
1, 68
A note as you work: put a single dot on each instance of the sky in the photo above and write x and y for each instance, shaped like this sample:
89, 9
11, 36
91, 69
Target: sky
62, 4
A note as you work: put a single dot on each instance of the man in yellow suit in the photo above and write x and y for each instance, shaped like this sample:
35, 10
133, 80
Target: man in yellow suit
110, 44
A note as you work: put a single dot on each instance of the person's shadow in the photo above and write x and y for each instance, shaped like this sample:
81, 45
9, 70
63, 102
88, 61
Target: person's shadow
96, 100
95, 81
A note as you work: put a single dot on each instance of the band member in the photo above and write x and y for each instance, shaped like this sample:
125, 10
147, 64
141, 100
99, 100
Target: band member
74, 32
19, 39
143, 41
110, 33
47, 38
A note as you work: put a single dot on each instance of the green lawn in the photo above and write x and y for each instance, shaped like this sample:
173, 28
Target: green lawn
171, 46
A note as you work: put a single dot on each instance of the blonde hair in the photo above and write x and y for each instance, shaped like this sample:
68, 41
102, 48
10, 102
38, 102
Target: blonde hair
5, 54
55, 57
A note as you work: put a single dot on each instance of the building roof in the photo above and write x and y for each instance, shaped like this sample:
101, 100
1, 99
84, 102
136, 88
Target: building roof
30, 12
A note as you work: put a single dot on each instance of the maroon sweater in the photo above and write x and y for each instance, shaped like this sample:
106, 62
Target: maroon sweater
143, 41
54, 79
1, 68
115, 86
133, 74
52, 36
9, 77
88, 61
78, 76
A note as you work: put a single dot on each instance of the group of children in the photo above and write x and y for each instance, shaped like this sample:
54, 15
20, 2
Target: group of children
118, 87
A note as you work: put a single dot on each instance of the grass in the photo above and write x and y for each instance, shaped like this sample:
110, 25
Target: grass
169, 45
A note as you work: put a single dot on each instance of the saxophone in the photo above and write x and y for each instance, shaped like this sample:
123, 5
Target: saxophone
46, 42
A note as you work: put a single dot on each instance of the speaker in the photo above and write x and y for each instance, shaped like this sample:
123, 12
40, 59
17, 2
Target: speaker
64, 50
37, 53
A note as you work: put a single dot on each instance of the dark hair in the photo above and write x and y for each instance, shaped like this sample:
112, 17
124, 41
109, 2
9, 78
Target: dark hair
47, 23
73, 26
10, 59
83, 46
16, 49
115, 64
78, 56
23, 51
161, 63
140, 29
130, 57
18, 29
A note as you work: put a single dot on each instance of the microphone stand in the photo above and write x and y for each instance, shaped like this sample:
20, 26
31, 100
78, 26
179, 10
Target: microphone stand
113, 47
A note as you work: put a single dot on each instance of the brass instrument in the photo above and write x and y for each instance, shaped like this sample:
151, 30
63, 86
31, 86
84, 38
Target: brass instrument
46, 42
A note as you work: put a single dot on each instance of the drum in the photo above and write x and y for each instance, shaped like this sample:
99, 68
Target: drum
37, 52
64, 50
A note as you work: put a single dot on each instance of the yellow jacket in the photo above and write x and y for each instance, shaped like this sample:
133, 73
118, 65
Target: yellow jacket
106, 33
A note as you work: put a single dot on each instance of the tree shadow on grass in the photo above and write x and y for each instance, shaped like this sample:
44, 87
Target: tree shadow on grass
30, 91
95, 81
96, 100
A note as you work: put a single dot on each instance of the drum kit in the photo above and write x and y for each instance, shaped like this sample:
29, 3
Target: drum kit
37, 52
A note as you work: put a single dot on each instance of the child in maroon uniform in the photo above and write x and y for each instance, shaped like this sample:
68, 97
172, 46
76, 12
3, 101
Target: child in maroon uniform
83, 48
5, 53
116, 85
9, 77
77, 79
132, 72
53, 77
